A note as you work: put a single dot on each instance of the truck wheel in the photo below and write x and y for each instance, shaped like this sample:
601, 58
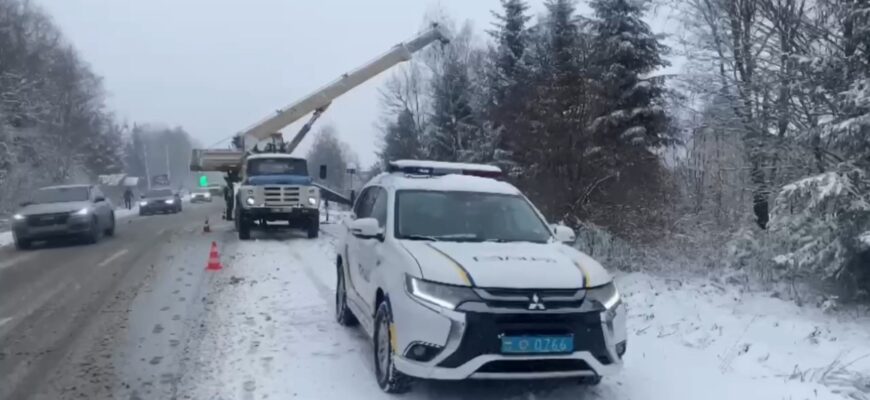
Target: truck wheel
243, 225
314, 228
22, 244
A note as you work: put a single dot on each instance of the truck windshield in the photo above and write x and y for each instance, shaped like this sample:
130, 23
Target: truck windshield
467, 216
60, 195
278, 166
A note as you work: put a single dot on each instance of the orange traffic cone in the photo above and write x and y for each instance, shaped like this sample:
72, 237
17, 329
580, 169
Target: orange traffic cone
214, 259
206, 228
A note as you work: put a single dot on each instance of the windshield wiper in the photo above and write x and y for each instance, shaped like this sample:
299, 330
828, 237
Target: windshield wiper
420, 237
461, 237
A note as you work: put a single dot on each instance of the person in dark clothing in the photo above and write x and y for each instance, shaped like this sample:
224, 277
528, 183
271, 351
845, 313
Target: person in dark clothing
128, 198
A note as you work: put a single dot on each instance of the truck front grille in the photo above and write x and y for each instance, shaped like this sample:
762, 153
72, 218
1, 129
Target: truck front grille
281, 196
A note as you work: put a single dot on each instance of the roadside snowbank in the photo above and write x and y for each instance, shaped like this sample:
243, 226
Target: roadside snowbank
269, 332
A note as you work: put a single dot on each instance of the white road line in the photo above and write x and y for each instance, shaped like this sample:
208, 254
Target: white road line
16, 260
5, 320
113, 257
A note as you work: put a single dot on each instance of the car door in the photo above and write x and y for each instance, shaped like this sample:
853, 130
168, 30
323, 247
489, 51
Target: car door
353, 256
369, 250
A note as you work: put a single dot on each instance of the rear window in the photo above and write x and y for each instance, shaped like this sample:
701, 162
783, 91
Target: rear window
61, 195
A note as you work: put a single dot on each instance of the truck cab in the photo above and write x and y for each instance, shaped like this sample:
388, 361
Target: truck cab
276, 187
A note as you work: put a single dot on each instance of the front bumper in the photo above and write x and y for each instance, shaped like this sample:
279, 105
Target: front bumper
281, 213
70, 225
200, 199
158, 207
470, 342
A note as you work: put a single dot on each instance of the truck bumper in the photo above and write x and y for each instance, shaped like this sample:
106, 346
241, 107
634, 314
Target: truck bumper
294, 215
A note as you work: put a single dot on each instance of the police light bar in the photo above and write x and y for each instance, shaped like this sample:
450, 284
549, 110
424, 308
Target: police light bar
438, 168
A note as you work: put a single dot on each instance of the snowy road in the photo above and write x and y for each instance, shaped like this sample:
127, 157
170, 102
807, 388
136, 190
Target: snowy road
263, 328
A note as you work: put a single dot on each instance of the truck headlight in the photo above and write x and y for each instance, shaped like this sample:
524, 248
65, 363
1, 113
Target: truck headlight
18, 217
250, 201
312, 201
439, 294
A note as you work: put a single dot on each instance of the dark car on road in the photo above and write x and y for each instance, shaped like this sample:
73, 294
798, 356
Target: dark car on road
62, 211
161, 201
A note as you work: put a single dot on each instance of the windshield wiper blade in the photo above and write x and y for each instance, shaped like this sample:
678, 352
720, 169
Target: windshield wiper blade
420, 237
461, 237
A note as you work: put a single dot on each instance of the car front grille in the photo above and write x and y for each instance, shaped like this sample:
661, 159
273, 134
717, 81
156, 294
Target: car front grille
47, 219
521, 298
281, 196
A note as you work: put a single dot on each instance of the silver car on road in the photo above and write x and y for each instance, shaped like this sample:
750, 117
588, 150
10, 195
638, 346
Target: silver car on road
63, 211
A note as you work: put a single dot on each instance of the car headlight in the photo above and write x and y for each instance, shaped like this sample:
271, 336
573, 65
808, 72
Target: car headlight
250, 201
312, 201
439, 294
83, 211
207, 195
170, 201
143, 203
607, 296
17, 217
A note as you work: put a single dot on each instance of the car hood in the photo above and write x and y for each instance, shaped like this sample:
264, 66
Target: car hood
51, 208
518, 265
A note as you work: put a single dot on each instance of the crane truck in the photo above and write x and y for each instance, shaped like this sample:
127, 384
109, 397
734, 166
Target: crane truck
272, 184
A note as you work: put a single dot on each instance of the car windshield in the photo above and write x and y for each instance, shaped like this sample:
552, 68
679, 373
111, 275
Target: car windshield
159, 193
278, 166
467, 216
60, 195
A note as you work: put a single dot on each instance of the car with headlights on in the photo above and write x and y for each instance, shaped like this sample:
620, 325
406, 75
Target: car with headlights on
201, 196
63, 211
455, 275
162, 201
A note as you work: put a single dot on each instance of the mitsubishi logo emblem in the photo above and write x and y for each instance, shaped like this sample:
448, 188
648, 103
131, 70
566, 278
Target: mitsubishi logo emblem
536, 303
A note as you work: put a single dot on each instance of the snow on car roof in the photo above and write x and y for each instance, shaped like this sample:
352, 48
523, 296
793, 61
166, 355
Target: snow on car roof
451, 182
66, 186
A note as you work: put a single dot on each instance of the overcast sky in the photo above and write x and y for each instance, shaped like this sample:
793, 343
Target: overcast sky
215, 67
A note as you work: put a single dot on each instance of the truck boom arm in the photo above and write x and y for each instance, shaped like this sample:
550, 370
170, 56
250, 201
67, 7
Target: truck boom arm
320, 99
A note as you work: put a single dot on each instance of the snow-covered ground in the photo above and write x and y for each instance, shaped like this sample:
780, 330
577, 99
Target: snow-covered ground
268, 332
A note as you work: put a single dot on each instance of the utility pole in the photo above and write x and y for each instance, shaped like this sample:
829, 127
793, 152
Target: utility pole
168, 171
147, 170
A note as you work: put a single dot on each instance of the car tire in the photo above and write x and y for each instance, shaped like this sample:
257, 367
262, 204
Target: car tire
390, 379
590, 380
93, 235
343, 314
110, 231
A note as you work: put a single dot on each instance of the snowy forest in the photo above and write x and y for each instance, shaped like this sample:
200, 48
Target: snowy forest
54, 124
753, 158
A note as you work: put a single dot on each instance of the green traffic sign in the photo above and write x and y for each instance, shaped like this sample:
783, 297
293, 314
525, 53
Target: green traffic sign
203, 181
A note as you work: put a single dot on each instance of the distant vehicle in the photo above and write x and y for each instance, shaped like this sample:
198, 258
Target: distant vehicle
455, 275
160, 201
216, 190
201, 196
63, 211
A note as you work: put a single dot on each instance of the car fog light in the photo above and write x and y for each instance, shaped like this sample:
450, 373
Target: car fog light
420, 351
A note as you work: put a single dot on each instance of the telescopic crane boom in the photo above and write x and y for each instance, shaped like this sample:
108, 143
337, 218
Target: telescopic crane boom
314, 104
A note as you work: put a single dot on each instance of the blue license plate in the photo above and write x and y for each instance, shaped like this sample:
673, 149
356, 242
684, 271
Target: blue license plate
545, 344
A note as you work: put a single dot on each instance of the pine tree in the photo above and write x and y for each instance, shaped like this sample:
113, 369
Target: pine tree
626, 51
510, 36
453, 122
401, 141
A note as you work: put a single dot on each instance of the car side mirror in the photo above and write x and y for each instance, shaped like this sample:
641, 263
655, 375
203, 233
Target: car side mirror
564, 234
323, 172
99, 199
366, 228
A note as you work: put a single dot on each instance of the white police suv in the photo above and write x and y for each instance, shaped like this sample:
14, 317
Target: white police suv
456, 275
